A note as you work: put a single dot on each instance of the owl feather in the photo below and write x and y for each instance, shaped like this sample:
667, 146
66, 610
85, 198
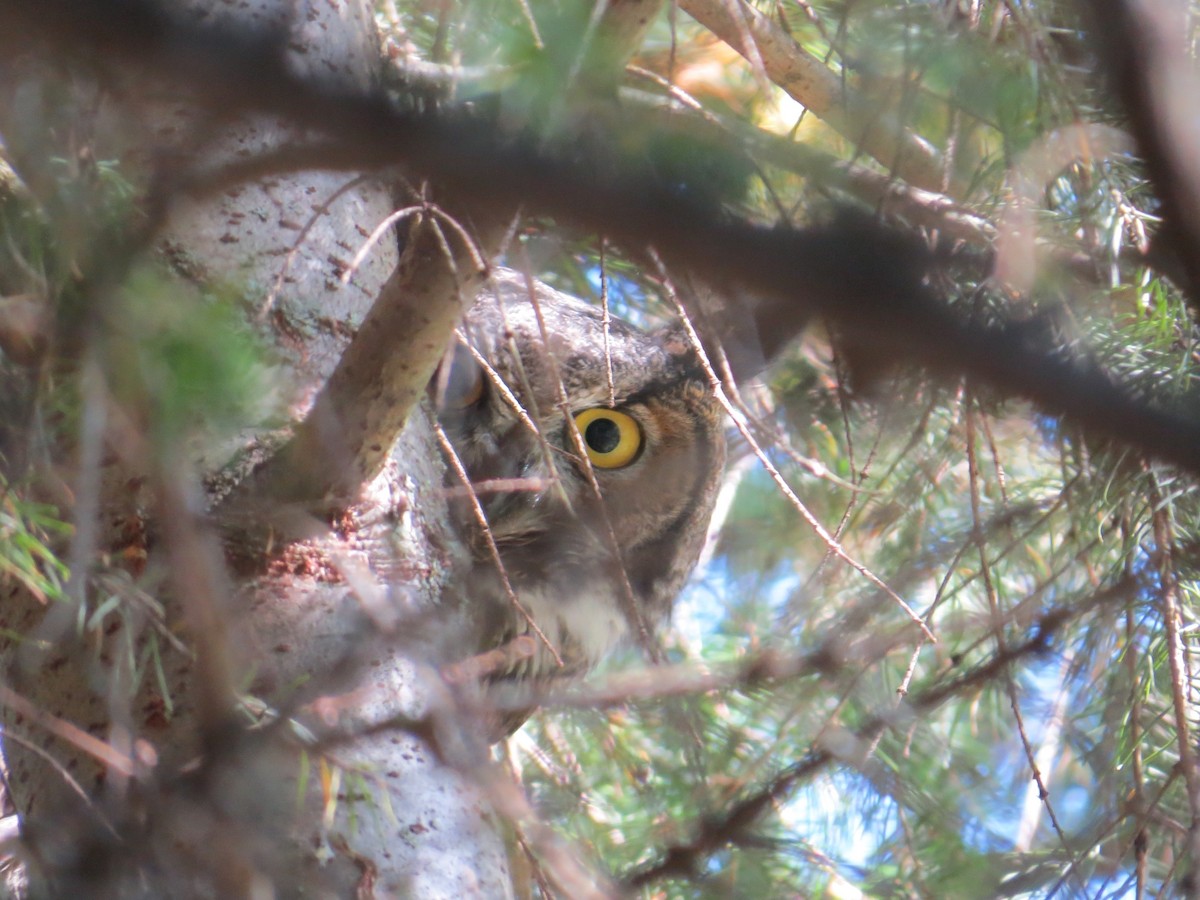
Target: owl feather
596, 545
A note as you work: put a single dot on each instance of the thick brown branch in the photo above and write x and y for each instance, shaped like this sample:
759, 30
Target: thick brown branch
862, 278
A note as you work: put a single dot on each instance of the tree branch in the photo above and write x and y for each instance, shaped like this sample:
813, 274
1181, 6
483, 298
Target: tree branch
734, 824
345, 439
868, 282
811, 83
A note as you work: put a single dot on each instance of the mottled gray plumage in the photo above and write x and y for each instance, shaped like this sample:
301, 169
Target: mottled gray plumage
554, 541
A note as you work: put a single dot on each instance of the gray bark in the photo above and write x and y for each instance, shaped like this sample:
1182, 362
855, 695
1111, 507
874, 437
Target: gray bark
354, 780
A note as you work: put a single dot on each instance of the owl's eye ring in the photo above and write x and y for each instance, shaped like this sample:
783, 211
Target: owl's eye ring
613, 439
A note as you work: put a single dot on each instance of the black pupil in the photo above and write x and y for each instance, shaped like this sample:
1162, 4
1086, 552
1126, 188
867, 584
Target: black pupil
602, 435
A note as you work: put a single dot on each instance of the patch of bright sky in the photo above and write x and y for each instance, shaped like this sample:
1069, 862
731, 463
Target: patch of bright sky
703, 607
820, 816
626, 299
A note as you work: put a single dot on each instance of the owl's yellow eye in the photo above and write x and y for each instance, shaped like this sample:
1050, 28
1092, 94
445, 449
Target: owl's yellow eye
613, 438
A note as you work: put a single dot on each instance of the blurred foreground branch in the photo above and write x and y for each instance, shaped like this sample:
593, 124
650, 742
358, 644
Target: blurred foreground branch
868, 283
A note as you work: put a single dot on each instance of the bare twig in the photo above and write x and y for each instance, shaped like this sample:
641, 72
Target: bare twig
1168, 598
735, 824
372, 239
630, 607
997, 617
485, 529
510, 399
786, 489
320, 210
1137, 774
100, 751
33, 747
605, 325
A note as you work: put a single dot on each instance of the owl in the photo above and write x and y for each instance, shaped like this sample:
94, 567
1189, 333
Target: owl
538, 383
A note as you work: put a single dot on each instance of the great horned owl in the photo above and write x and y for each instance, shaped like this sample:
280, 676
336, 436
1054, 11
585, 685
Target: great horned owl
653, 434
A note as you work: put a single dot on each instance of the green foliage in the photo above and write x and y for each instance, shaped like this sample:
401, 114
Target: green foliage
181, 360
1040, 557
825, 745
186, 362
29, 536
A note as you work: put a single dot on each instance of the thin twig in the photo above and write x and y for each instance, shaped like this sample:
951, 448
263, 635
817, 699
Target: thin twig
373, 239
599, 8
1139, 839
99, 750
770, 467
630, 606
998, 626
32, 746
502, 486
460, 473
1168, 599
321, 209
606, 324
555, 482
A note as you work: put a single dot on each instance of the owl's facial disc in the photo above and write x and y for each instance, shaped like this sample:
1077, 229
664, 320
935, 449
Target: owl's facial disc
613, 439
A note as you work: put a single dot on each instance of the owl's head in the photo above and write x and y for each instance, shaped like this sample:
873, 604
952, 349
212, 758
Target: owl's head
539, 376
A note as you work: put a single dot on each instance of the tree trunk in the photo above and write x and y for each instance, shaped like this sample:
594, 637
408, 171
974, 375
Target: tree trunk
346, 782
